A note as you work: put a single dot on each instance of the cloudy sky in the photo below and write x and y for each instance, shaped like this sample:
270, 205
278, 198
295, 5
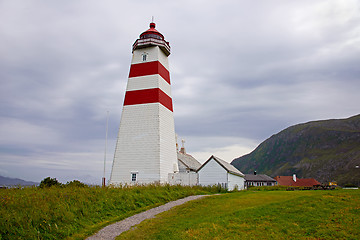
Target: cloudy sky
241, 71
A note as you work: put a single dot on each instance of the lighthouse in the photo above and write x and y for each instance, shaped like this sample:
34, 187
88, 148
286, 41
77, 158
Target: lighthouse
146, 148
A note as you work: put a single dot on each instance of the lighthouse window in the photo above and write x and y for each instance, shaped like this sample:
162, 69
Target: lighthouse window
149, 35
133, 177
144, 56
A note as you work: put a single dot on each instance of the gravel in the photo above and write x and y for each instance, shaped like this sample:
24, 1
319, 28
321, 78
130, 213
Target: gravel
114, 230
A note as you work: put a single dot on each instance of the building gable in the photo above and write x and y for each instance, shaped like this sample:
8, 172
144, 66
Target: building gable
225, 165
212, 173
188, 162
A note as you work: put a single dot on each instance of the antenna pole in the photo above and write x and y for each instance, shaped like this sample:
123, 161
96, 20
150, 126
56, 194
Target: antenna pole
106, 136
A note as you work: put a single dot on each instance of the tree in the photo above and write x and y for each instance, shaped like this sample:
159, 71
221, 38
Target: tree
49, 182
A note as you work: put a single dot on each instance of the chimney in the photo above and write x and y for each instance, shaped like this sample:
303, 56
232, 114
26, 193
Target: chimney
176, 140
182, 150
294, 177
254, 172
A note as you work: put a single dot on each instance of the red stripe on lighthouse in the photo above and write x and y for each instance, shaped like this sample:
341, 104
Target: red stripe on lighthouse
152, 95
149, 68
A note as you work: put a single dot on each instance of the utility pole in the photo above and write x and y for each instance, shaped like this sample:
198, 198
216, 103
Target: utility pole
106, 136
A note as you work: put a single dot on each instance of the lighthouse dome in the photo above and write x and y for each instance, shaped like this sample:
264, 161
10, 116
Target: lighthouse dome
152, 33
150, 38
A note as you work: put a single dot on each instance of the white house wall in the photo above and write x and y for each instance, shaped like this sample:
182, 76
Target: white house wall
212, 173
183, 178
235, 180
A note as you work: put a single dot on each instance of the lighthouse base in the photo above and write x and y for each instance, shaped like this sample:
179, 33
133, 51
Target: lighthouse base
146, 149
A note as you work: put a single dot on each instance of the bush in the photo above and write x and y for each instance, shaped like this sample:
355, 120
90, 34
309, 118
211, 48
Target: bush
49, 182
75, 183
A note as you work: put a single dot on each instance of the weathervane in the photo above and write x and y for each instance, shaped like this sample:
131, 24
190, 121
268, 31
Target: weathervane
183, 143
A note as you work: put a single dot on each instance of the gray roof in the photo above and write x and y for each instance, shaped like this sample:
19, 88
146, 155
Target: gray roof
259, 178
227, 166
189, 161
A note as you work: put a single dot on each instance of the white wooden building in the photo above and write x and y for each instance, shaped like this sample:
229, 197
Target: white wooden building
216, 171
187, 175
259, 180
187, 163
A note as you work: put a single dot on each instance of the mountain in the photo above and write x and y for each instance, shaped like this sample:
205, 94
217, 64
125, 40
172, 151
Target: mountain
5, 181
327, 150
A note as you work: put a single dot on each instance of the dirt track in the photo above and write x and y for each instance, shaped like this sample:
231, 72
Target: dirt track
114, 230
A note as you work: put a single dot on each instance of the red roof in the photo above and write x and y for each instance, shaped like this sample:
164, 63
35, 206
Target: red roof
151, 32
300, 182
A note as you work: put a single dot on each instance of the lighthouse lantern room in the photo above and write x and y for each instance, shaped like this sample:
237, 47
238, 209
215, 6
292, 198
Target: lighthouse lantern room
146, 150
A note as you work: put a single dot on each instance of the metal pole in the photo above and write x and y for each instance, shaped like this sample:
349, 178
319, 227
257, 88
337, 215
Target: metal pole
106, 136
357, 167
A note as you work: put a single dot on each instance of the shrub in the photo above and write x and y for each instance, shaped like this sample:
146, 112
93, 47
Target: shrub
49, 182
75, 183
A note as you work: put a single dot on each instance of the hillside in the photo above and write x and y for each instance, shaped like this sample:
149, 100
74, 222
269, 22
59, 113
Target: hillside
326, 150
5, 181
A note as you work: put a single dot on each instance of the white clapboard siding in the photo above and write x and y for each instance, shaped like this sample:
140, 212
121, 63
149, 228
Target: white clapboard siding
212, 173
216, 171
235, 181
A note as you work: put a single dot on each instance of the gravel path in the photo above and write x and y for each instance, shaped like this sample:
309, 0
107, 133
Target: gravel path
114, 230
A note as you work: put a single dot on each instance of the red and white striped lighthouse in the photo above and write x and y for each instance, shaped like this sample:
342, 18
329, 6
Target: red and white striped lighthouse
146, 149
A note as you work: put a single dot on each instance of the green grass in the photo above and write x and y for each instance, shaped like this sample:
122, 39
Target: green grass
77, 212
259, 215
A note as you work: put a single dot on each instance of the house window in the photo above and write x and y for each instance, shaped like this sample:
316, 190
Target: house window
133, 177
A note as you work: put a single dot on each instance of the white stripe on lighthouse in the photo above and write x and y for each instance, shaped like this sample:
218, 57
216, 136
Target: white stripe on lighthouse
153, 54
146, 82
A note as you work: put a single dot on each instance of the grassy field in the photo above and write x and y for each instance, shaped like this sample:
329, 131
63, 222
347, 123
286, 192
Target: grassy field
76, 212
259, 215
